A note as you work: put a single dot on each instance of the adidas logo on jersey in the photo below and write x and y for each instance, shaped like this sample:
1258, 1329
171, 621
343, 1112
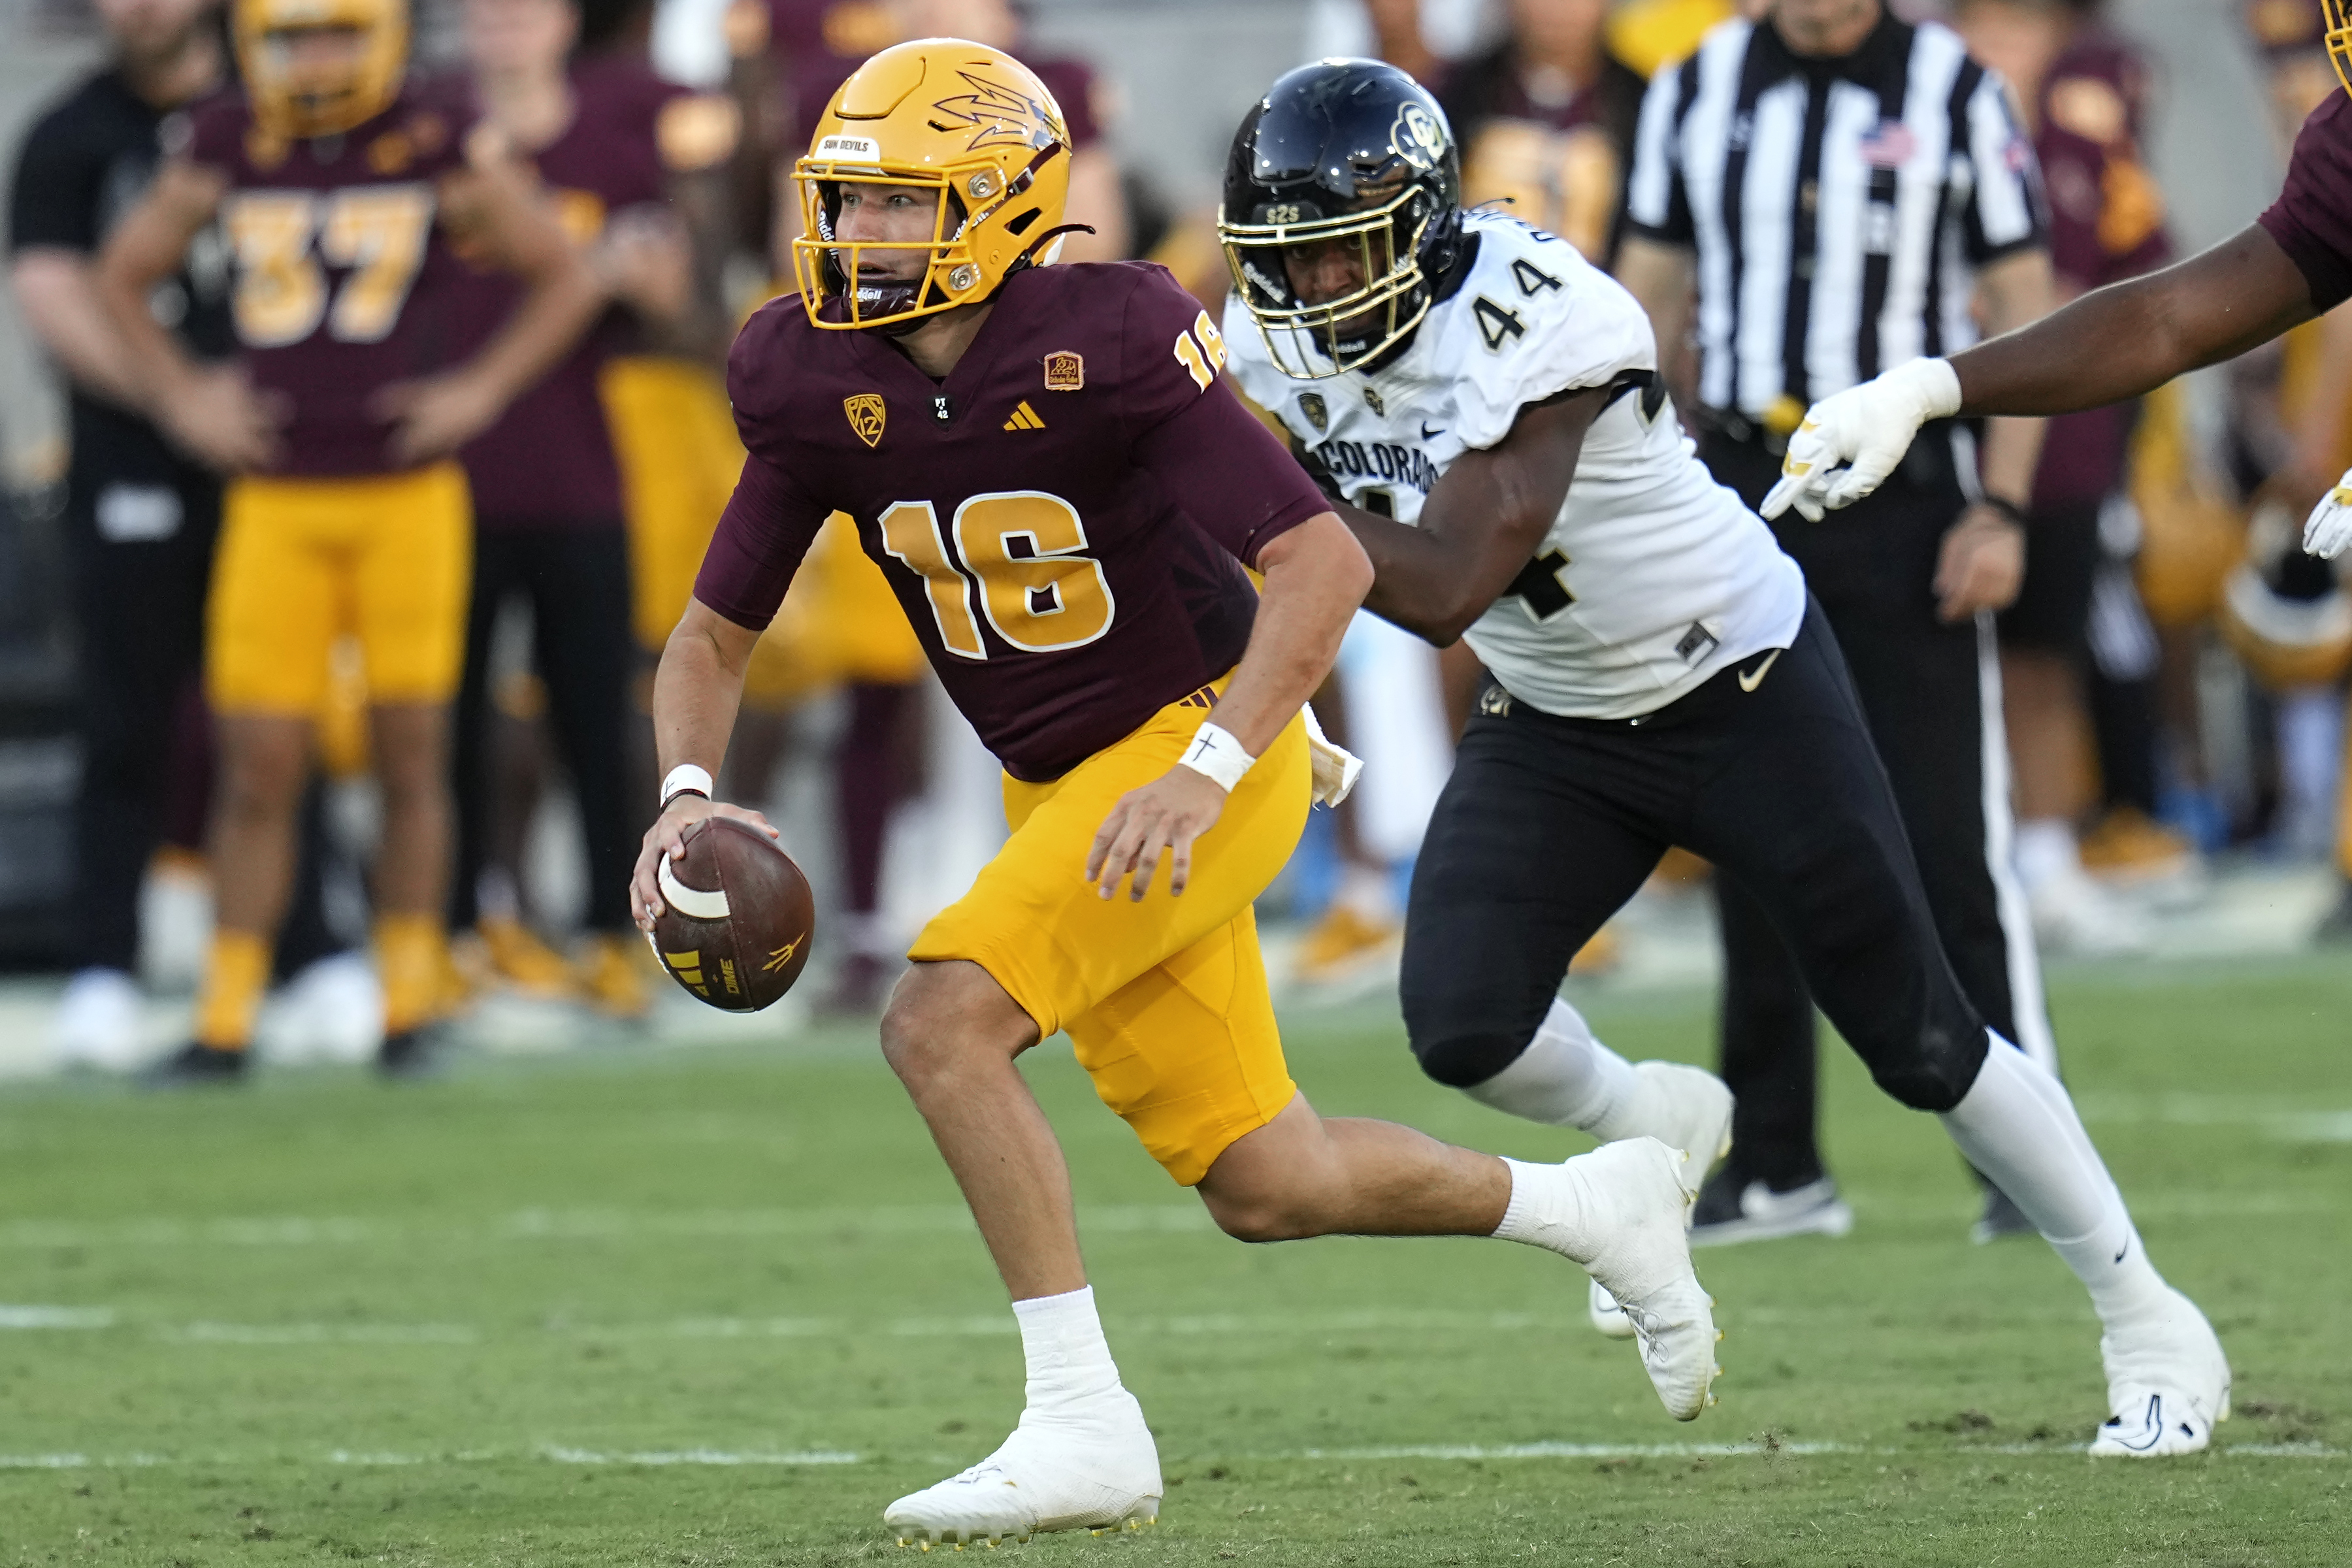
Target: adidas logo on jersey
1024, 418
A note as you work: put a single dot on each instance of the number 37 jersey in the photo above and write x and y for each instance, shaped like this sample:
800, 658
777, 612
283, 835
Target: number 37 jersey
1065, 519
343, 279
1652, 578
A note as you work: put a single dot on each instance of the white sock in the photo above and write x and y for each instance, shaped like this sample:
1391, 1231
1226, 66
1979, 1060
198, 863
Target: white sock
1556, 1207
2017, 1124
1070, 1360
2043, 851
1568, 1078
1548, 1209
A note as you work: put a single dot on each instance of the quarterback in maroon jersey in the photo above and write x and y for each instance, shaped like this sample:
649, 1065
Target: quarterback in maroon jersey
1047, 465
2293, 264
334, 180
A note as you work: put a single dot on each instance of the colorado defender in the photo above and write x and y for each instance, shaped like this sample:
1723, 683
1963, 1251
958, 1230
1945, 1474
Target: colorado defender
1487, 407
1064, 494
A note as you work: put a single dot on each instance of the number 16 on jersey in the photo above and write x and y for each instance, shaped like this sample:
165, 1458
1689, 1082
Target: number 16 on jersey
1025, 551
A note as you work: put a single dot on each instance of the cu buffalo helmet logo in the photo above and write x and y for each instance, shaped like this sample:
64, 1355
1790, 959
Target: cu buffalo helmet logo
1417, 137
1311, 405
865, 413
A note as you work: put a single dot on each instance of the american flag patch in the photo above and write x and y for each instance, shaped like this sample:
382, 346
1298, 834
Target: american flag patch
1889, 146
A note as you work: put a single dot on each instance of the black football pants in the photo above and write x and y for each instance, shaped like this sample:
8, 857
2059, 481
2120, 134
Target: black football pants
576, 581
1549, 825
1928, 690
140, 610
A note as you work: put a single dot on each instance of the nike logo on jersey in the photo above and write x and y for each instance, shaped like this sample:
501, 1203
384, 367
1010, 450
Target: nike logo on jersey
1024, 418
1429, 435
1750, 680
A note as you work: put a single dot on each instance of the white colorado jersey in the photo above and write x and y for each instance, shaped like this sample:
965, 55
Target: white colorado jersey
1653, 576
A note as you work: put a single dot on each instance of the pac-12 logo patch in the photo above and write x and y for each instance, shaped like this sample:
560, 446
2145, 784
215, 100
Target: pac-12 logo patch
866, 414
1311, 405
1417, 137
1064, 372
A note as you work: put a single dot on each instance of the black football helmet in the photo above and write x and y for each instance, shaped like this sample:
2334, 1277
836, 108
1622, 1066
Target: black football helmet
1350, 152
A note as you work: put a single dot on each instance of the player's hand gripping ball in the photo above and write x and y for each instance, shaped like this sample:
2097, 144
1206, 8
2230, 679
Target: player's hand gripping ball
736, 918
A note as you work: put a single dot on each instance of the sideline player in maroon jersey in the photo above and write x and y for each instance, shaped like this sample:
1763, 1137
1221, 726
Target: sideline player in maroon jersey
333, 182
1103, 638
604, 140
2293, 264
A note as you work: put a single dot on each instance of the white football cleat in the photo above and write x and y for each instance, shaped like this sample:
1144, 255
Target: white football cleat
1088, 1473
2168, 1384
1643, 1203
1695, 1109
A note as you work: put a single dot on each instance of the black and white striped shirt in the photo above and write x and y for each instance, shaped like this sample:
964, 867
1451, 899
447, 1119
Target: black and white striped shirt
1840, 208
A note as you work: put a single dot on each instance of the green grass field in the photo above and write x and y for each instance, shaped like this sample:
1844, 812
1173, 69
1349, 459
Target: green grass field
720, 1307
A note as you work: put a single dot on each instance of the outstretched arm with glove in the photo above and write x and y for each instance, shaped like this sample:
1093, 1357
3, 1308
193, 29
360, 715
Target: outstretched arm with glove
2114, 344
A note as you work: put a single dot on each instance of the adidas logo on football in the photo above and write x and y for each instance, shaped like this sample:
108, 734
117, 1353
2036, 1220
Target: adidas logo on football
1024, 418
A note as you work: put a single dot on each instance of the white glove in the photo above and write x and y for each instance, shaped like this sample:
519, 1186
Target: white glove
1335, 769
1868, 426
2329, 531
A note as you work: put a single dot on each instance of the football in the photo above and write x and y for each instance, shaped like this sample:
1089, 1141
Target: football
738, 917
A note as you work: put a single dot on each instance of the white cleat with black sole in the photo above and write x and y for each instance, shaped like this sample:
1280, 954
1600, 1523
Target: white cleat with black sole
1638, 1185
2168, 1384
1697, 1121
1099, 1472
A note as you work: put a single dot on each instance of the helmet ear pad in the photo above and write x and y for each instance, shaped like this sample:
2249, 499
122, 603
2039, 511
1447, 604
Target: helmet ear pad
1342, 150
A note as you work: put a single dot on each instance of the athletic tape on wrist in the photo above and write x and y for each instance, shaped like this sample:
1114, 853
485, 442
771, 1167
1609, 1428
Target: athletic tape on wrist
1215, 754
686, 779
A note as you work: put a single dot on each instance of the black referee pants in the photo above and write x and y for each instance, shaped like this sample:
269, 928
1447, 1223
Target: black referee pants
1548, 824
1925, 687
576, 581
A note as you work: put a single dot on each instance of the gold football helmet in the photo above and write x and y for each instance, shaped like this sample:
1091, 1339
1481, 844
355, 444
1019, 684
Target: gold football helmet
960, 119
297, 97
2338, 14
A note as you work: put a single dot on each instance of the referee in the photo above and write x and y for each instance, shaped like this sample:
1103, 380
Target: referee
1837, 191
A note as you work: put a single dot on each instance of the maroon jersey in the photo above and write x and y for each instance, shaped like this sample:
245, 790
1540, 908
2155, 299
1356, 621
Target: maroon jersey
2107, 224
549, 461
343, 279
1065, 519
2312, 219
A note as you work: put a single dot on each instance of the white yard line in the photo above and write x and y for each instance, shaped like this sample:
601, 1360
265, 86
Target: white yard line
1127, 1219
57, 1317
561, 1455
1224, 1325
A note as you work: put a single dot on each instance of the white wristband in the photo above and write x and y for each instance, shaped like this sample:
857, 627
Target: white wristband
686, 779
1215, 754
